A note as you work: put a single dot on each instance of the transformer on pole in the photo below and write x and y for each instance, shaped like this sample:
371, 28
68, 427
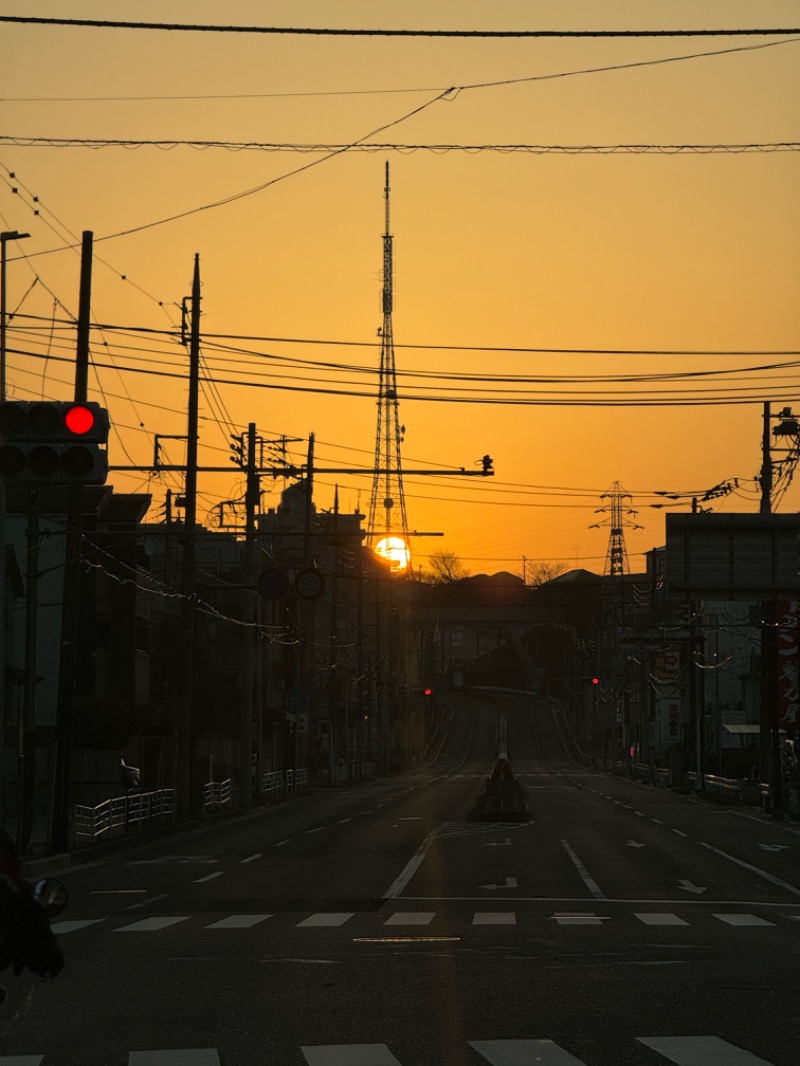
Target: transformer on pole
387, 506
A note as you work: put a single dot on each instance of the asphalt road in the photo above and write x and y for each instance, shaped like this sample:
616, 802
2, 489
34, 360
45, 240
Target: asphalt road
622, 926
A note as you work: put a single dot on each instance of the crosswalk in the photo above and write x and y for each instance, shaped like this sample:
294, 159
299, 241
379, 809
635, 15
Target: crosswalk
678, 1050
361, 921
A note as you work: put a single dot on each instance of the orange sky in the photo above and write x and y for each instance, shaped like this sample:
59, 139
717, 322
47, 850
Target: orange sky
683, 252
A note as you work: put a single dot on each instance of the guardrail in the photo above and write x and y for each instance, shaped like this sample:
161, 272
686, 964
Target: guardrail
730, 790
278, 783
271, 784
216, 794
119, 815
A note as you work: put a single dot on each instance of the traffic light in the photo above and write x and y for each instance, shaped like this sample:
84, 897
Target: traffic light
53, 442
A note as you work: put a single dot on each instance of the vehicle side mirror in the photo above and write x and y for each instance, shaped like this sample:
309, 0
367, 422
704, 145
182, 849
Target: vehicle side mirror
52, 895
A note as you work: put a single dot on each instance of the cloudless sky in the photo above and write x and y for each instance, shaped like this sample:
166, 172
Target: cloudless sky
685, 252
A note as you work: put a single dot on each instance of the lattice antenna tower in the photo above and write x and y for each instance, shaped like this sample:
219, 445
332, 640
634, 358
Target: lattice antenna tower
617, 555
387, 505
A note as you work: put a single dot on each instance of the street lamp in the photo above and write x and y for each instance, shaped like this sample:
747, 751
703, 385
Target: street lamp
6, 235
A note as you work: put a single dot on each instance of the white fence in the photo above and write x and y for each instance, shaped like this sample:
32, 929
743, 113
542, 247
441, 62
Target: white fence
120, 815
283, 783
217, 794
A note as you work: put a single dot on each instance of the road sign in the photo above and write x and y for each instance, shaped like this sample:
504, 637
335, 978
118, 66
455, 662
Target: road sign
309, 584
273, 583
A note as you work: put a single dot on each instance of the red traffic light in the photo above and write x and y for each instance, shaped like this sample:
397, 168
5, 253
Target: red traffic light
79, 419
595, 680
427, 691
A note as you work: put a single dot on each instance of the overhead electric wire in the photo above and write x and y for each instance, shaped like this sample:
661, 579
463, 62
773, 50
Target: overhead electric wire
418, 89
97, 143
671, 398
231, 365
319, 31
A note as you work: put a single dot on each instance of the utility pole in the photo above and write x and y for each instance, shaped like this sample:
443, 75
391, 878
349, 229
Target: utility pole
27, 732
185, 798
769, 748
70, 616
249, 644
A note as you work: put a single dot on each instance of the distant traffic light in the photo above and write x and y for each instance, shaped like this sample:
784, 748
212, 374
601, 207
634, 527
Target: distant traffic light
53, 442
427, 692
595, 680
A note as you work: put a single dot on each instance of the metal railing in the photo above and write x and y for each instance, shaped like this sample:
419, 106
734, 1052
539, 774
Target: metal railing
216, 794
118, 816
271, 784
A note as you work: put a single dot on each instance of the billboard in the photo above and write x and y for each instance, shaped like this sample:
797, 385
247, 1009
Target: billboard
733, 556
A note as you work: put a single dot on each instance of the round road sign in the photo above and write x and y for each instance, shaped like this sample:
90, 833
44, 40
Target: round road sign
309, 584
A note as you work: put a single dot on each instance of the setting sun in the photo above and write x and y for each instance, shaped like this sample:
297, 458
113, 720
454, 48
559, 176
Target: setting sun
395, 551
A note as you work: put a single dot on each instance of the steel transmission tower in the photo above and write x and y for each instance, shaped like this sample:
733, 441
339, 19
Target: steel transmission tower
617, 555
387, 505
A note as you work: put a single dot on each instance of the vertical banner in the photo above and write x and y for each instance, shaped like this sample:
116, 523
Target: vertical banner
787, 653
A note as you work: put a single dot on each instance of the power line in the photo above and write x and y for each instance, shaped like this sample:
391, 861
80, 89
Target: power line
760, 392
96, 144
308, 31
418, 89
208, 337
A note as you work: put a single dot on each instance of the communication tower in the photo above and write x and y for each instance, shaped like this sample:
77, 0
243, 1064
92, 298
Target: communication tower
617, 555
387, 526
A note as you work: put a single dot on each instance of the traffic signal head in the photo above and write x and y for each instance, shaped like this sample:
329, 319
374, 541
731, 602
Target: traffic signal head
595, 680
427, 692
53, 442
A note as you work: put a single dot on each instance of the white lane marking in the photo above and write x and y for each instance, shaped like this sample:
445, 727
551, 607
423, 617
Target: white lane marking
755, 869
701, 1051
70, 927
151, 925
589, 881
511, 882
145, 902
282, 842
203, 1056
318, 829
343, 820
21, 1060
252, 858
580, 918
774, 847
494, 918
743, 919
411, 918
329, 918
209, 877
652, 918
118, 892
239, 921
690, 886
634, 844
349, 1055
679, 832
657, 821
410, 868
523, 1053
414, 818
